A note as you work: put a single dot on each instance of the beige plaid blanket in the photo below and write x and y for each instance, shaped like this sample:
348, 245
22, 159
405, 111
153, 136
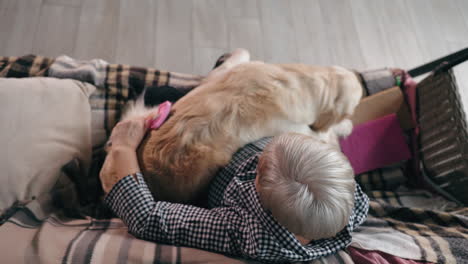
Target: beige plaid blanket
57, 239
408, 223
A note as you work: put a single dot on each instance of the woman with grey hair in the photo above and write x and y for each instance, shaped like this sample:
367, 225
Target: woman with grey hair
304, 205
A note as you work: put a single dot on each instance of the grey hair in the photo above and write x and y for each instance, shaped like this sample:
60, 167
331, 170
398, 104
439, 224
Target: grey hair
308, 185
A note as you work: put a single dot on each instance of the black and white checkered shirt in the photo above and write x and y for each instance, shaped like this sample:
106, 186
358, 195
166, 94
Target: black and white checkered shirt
235, 224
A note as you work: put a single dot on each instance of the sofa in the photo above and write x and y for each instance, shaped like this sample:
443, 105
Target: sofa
58, 113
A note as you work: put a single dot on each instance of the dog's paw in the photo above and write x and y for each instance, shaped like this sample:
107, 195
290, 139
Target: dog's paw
343, 128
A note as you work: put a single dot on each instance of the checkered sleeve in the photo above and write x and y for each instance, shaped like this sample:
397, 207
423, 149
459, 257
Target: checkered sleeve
222, 229
361, 206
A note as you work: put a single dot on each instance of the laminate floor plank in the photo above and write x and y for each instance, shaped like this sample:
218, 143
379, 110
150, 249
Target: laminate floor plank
56, 31
188, 36
428, 31
279, 40
209, 24
136, 33
18, 23
312, 44
405, 49
97, 30
372, 38
174, 38
242, 8
341, 33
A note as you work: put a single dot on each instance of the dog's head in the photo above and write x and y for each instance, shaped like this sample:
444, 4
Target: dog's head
345, 93
336, 92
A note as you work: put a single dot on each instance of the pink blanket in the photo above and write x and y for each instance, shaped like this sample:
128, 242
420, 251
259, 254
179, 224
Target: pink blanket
376, 144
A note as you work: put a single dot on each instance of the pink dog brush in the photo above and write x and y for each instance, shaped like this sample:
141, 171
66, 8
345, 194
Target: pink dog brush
163, 112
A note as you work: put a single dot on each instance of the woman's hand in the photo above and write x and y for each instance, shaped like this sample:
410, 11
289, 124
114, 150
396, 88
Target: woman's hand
121, 159
128, 134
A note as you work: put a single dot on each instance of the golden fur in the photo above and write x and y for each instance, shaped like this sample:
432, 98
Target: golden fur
250, 101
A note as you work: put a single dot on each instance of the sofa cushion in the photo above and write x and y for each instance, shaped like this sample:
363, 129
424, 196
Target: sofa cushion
46, 122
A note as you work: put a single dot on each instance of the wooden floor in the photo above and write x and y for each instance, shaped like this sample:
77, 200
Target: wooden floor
187, 36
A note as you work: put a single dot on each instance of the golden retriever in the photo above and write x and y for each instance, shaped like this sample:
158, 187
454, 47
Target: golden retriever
238, 103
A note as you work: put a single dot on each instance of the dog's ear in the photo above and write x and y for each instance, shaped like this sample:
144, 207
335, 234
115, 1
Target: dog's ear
361, 82
325, 120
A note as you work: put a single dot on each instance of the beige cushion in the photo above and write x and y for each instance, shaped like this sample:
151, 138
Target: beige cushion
45, 122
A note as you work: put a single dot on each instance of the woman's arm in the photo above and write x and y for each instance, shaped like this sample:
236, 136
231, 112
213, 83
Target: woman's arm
120, 162
223, 229
121, 159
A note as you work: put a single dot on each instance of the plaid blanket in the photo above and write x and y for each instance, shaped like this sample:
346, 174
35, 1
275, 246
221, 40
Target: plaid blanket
404, 222
411, 223
58, 239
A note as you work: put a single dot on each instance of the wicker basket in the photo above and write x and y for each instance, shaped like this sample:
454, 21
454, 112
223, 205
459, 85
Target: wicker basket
443, 138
